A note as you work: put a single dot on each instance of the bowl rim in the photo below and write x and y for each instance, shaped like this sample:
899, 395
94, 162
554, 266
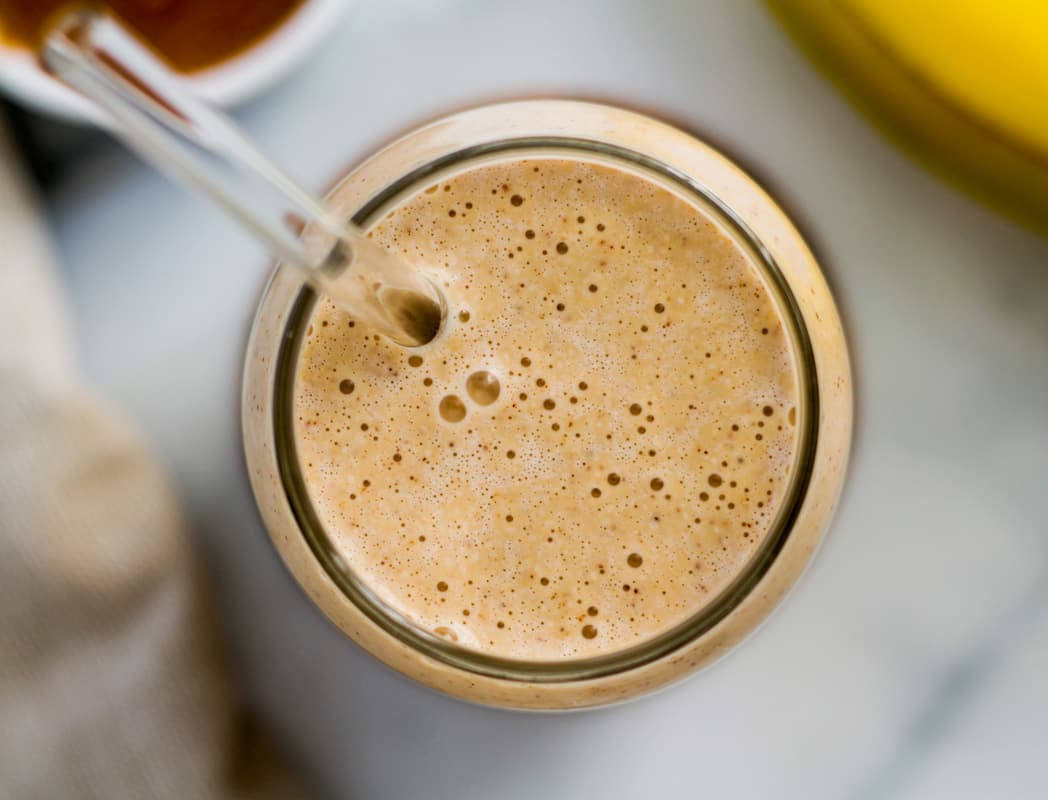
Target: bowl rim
228, 83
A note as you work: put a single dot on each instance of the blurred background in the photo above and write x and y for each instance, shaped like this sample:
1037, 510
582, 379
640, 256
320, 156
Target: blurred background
910, 661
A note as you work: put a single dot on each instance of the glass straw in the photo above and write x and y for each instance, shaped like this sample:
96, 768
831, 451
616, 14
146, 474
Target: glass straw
196, 145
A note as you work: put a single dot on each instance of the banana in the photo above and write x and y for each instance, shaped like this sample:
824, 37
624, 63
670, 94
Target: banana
962, 85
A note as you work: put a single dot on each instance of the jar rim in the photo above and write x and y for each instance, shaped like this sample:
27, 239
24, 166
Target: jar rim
618, 661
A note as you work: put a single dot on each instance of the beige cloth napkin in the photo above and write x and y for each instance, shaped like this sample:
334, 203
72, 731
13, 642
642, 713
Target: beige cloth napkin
111, 679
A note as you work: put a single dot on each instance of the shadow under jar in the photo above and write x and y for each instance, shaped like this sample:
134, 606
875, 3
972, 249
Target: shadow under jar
618, 456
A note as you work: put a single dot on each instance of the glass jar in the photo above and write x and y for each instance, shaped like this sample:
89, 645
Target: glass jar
742, 210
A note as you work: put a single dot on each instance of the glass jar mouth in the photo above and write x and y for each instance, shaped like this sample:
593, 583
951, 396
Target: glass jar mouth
396, 625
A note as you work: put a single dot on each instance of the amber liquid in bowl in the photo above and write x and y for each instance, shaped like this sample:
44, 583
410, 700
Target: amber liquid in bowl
191, 35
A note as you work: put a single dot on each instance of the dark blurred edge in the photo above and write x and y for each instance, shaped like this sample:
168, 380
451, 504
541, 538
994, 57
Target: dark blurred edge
50, 146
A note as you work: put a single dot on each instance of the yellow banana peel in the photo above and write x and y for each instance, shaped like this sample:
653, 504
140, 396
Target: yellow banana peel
962, 84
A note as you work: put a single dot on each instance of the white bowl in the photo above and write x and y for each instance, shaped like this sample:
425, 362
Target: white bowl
226, 84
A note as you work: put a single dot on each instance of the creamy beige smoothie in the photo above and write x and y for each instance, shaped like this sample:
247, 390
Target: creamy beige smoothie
616, 458
594, 447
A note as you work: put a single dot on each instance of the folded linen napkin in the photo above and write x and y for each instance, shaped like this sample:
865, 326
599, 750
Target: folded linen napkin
112, 683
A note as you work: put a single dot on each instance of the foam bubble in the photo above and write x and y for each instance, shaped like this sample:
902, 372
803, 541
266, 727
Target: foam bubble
452, 408
483, 387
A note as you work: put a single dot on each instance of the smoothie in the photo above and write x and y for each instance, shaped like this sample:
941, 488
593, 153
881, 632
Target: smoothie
594, 447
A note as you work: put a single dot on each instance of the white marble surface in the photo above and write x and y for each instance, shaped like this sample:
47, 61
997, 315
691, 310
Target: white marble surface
912, 660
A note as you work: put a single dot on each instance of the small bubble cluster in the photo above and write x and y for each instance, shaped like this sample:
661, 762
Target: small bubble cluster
595, 445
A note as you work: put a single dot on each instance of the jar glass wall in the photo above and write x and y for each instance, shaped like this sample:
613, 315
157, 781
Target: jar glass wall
546, 132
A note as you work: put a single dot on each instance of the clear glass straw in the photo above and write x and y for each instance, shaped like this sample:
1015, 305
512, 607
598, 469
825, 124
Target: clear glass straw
194, 144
